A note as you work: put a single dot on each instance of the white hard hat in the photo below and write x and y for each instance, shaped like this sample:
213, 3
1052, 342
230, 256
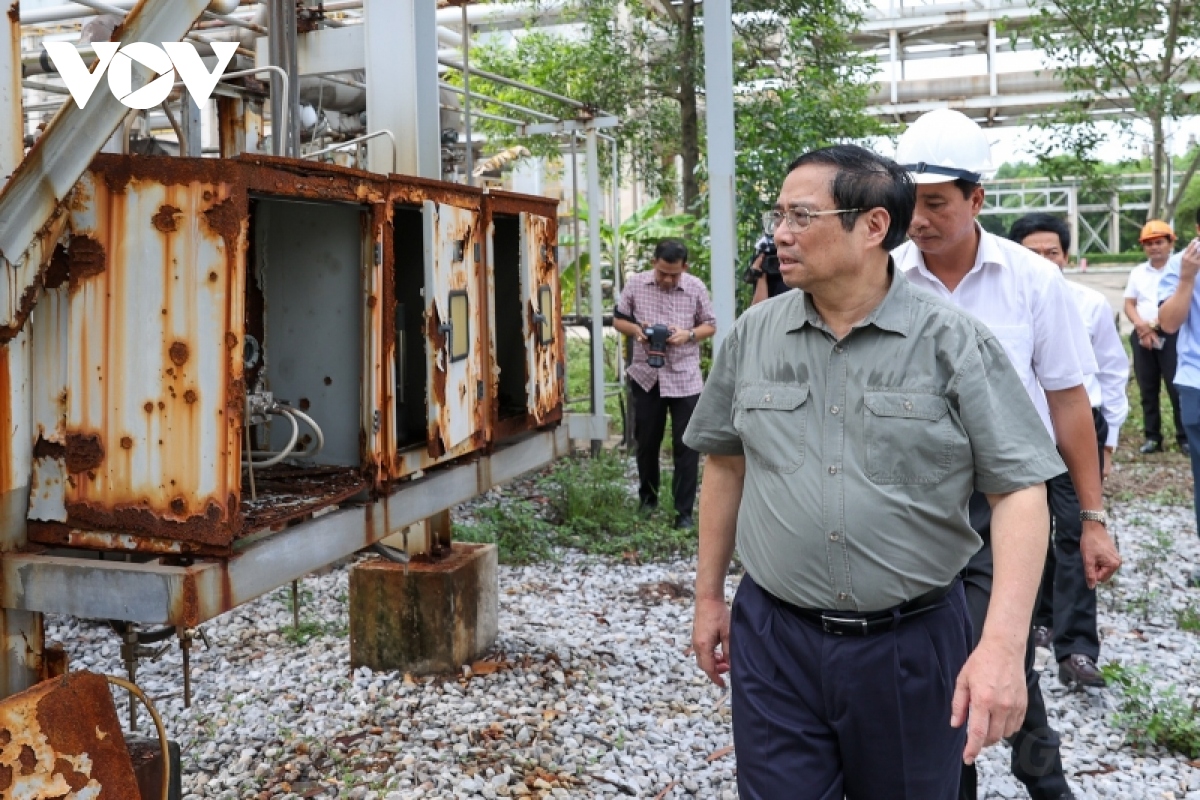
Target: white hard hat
945, 145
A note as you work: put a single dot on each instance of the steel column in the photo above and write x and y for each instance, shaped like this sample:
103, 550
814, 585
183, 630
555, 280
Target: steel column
189, 125
22, 635
466, 76
597, 299
993, 88
1073, 218
402, 91
894, 61
718, 71
1114, 224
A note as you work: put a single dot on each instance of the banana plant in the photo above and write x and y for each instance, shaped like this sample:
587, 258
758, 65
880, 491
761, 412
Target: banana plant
634, 239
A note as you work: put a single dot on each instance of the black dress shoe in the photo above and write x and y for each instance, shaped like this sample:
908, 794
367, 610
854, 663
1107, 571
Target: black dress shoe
1151, 446
1042, 636
684, 522
1080, 669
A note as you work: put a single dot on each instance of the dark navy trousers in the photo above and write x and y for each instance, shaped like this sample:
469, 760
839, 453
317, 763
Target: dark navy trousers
817, 716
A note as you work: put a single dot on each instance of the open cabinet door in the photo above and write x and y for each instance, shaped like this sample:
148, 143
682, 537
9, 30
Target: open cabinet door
452, 314
543, 320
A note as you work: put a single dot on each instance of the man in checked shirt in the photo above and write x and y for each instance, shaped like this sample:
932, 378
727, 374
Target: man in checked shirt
666, 295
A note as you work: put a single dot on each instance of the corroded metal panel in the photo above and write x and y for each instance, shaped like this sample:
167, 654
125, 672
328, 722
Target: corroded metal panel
453, 262
543, 317
61, 739
153, 414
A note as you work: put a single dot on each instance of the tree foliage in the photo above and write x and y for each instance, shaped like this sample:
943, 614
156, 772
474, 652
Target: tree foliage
800, 85
1117, 52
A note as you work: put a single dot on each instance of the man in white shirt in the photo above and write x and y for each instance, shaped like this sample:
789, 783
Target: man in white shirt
1154, 350
1066, 610
1024, 301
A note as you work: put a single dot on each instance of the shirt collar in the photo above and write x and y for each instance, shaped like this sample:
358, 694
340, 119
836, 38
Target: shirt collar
987, 253
892, 313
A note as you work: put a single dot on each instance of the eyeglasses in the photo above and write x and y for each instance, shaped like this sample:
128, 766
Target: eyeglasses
798, 218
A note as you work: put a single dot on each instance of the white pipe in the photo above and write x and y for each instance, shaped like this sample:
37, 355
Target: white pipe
356, 140
316, 429
286, 451
39, 16
484, 15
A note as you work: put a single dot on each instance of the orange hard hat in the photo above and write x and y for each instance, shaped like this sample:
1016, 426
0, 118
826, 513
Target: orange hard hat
1155, 229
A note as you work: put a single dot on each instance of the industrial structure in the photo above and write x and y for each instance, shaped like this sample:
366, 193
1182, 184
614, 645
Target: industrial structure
235, 354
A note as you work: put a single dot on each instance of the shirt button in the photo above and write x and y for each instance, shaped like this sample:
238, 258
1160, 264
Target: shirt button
835, 536
766, 398
834, 410
843, 595
833, 470
908, 405
837, 348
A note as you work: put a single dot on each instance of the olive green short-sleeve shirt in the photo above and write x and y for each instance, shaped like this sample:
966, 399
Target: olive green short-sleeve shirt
861, 454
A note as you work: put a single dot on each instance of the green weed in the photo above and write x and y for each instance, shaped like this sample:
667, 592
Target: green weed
1152, 717
521, 536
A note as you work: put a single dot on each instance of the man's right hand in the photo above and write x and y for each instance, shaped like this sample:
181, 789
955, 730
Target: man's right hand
710, 631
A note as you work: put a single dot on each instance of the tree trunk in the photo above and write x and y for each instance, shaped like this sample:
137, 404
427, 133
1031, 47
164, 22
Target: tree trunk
689, 118
1158, 183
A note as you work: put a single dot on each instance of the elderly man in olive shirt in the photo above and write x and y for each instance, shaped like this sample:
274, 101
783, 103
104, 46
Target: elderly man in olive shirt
847, 425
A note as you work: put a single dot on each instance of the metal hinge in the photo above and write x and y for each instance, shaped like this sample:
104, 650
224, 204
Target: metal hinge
478, 253
478, 390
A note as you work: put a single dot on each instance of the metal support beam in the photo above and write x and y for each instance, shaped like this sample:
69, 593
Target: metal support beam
1073, 218
402, 91
189, 125
22, 645
718, 93
597, 299
894, 61
154, 593
993, 88
1114, 224
285, 99
466, 76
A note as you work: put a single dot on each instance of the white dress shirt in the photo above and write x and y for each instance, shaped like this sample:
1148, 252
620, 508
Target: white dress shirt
1106, 389
1024, 300
1143, 288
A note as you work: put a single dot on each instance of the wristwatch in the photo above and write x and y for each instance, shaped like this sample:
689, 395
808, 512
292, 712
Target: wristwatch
1094, 516
692, 335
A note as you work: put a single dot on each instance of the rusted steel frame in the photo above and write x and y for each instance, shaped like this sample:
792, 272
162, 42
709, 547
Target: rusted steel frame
171, 595
38, 189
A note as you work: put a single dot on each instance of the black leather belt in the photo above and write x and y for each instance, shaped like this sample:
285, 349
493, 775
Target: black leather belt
849, 623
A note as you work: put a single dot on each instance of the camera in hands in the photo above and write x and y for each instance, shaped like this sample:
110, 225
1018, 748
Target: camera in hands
656, 342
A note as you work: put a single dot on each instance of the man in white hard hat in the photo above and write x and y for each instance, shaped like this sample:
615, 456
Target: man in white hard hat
1024, 301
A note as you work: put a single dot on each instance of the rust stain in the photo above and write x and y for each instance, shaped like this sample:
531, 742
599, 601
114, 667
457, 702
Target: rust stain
189, 396
44, 448
165, 221
126, 443
212, 526
179, 354
87, 259
62, 737
149, 407
85, 452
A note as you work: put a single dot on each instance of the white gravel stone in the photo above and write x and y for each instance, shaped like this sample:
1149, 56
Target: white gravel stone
597, 695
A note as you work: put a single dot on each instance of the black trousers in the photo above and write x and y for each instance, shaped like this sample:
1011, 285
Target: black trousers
1036, 748
1065, 603
650, 411
1152, 368
818, 716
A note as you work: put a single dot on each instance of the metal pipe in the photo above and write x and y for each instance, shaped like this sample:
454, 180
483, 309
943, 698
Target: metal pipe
450, 87
718, 80
575, 224
466, 77
493, 117
597, 299
348, 142
616, 246
493, 77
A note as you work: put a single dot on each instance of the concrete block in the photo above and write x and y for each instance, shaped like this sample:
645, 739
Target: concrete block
432, 618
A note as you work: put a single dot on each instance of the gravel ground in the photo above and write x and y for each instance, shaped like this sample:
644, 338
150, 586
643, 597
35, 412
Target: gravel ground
589, 692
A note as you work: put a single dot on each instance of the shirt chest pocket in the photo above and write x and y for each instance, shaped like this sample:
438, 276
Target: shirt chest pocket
1017, 341
909, 437
771, 418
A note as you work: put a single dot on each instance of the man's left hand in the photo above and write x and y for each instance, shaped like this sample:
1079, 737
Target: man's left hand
989, 696
1099, 553
679, 336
